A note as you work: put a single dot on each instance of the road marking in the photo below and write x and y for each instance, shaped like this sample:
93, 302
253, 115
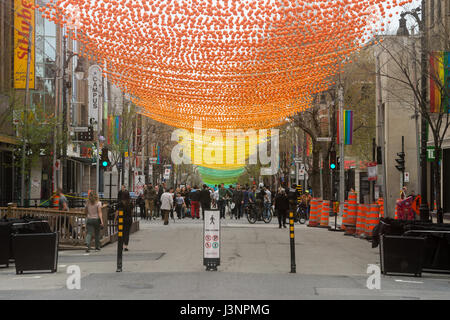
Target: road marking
34, 277
409, 281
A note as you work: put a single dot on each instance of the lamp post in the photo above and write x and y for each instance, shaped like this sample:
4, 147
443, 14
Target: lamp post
424, 210
79, 74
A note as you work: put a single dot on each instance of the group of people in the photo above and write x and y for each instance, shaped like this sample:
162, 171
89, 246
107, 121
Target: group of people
160, 201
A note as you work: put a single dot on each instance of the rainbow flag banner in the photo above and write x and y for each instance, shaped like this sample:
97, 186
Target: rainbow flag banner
347, 126
439, 79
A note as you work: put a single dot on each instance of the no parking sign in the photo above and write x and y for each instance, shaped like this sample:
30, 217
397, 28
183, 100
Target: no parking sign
211, 239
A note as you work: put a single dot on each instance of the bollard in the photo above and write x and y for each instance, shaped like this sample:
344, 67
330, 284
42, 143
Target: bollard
120, 242
291, 234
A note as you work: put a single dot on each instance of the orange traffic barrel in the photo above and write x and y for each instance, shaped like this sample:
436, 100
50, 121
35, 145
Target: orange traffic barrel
315, 212
361, 220
325, 216
55, 201
381, 207
372, 219
344, 216
352, 209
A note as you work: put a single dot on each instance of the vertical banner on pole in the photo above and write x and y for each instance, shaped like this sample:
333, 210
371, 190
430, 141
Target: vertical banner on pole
211, 240
95, 95
24, 18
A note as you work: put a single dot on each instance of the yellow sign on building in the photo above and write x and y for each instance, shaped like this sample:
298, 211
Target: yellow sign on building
24, 22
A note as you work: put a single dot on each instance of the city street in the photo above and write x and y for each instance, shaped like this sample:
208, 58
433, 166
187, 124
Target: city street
165, 262
336, 113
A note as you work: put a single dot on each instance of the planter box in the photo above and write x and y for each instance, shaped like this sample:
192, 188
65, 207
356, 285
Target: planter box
35, 252
402, 255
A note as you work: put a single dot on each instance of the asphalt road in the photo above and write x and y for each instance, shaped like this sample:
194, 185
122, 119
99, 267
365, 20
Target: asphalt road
165, 262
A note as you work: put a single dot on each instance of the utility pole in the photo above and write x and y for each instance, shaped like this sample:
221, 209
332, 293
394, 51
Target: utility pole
341, 152
424, 210
25, 118
381, 136
64, 120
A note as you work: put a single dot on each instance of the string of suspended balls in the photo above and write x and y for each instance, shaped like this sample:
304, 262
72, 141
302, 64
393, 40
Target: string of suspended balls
227, 63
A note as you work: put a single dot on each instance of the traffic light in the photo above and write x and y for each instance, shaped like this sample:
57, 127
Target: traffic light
104, 160
400, 161
333, 161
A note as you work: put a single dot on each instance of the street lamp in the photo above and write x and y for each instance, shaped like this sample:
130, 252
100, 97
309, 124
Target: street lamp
424, 210
79, 74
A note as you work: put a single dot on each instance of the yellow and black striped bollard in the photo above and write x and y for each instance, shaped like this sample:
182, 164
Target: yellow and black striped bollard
120, 242
292, 239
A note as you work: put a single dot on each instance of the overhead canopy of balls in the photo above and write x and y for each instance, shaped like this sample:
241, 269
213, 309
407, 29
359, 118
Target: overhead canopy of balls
227, 63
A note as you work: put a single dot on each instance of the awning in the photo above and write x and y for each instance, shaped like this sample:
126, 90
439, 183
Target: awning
9, 139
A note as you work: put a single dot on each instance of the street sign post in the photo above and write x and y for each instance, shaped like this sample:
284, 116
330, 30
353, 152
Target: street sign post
211, 240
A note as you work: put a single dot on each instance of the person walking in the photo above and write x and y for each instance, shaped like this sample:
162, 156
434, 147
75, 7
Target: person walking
160, 192
281, 206
94, 220
149, 198
179, 204
121, 192
205, 200
267, 201
166, 205
63, 203
195, 203
237, 200
223, 196
126, 206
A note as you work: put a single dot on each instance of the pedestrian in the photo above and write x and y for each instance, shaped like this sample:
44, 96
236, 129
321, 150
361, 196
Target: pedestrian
126, 206
402, 193
94, 220
223, 195
237, 200
281, 206
141, 203
121, 192
308, 198
205, 200
195, 203
63, 203
158, 200
267, 201
166, 205
179, 203
149, 198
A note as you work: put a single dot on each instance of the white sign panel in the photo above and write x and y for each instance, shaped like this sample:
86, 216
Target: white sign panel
211, 235
110, 181
139, 181
406, 176
166, 174
95, 93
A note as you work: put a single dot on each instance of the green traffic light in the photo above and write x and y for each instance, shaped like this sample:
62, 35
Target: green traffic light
105, 163
332, 166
